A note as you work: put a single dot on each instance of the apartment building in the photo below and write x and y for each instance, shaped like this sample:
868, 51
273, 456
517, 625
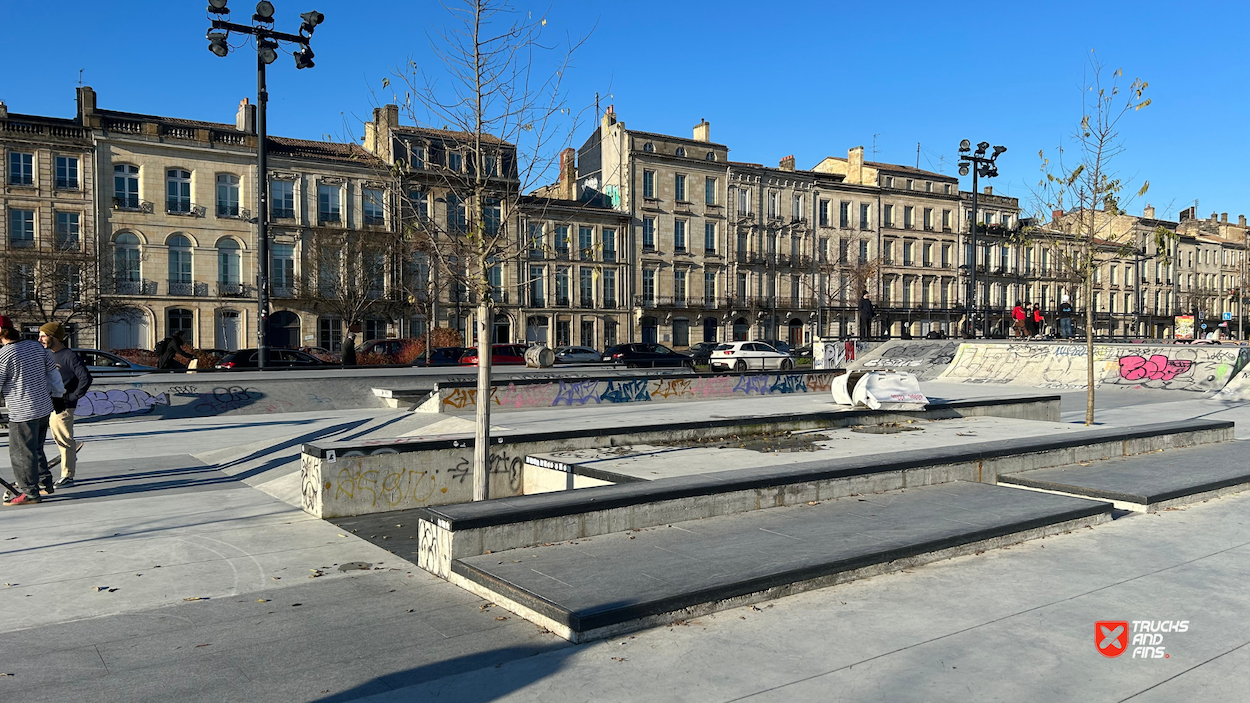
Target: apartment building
48, 228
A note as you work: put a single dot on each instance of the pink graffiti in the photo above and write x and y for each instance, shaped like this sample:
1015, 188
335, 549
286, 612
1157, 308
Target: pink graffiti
1156, 368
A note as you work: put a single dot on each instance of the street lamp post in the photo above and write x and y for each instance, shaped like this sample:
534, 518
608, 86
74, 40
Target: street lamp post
984, 166
268, 42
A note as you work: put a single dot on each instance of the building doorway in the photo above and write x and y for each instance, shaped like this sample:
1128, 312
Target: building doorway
650, 330
283, 330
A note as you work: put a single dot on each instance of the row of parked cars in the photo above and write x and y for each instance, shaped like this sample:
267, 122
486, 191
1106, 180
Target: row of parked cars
720, 356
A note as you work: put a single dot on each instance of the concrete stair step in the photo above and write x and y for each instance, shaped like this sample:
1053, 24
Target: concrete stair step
601, 586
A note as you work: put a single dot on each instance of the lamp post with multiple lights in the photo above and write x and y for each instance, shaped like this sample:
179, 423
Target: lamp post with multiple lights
268, 42
980, 165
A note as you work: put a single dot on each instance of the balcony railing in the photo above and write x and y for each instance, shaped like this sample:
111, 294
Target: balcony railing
282, 291
132, 204
139, 287
67, 183
184, 208
188, 288
329, 218
231, 290
608, 304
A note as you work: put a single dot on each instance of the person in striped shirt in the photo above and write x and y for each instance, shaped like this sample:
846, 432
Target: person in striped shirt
27, 375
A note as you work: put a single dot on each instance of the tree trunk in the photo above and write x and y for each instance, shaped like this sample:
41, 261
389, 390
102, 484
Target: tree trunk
1089, 349
481, 442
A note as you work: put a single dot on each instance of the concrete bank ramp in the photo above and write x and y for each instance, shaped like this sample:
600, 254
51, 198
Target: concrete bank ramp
1178, 367
926, 359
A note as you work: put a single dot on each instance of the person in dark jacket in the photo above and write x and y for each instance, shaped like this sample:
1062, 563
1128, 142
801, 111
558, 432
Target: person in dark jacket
26, 369
349, 350
77, 380
167, 350
1065, 319
866, 314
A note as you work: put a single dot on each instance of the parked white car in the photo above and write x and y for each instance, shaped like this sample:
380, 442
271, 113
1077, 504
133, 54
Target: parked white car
749, 356
577, 355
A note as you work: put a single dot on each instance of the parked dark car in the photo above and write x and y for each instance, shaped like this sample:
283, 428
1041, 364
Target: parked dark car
443, 356
702, 352
278, 359
102, 363
783, 347
646, 356
384, 346
500, 355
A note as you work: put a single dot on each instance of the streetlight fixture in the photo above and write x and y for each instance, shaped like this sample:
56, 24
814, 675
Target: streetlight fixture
268, 42
984, 166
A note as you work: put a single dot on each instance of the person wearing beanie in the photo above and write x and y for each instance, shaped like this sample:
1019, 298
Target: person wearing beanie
6, 323
77, 381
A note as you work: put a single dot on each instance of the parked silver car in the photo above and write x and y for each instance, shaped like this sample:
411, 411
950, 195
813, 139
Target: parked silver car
102, 363
749, 356
577, 355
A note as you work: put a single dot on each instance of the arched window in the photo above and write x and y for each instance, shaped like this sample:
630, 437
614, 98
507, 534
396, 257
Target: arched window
681, 151
126, 260
648, 147
229, 265
178, 191
711, 156
181, 320
126, 186
179, 265
227, 195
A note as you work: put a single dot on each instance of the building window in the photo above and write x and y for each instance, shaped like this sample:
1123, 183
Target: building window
774, 204
181, 322
67, 230
865, 212
66, 172
282, 199
681, 151
887, 216
908, 249
679, 288
679, 187
946, 220
709, 288
537, 298
536, 238
928, 254
229, 262
21, 169
178, 191
179, 265
946, 188
928, 218
648, 287
126, 258
609, 333
609, 244
585, 243
330, 333
679, 236
709, 191
863, 251
709, 237
844, 214
928, 186
648, 184
371, 198
455, 161
744, 201
822, 213
416, 158
562, 286
743, 289
457, 214
796, 205
562, 242
648, 234
282, 277
909, 217
328, 209
909, 184
889, 181
586, 287
609, 288
126, 187
21, 228
227, 195
588, 333
742, 244
420, 202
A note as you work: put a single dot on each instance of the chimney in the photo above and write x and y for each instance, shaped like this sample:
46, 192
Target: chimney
1214, 217
378, 139
786, 163
568, 174
609, 118
855, 165
1224, 217
1241, 220
4, 111
86, 105
703, 131
989, 190
245, 118
1149, 212
1055, 215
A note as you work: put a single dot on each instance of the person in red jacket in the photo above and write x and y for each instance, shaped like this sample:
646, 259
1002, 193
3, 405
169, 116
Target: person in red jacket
1039, 321
1018, 317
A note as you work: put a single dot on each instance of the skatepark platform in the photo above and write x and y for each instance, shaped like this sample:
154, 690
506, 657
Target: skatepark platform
1146, 483
602, 586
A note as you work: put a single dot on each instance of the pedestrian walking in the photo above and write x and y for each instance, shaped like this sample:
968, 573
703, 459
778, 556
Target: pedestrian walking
1039, 321
167, 351
866, 313
28, 380
1018, 326
1065, 319
77, 380
349, 350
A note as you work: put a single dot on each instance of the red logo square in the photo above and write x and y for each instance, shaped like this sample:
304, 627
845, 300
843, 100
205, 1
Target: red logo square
1111, 637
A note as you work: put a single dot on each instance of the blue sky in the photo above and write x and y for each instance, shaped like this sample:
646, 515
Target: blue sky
809, 79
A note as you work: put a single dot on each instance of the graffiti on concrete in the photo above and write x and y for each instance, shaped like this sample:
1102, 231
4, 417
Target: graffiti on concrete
577, 393
1156, 368
789, 383
536, 395
630, 391
226, 398
118, 402
500, 465
309, 482
460, 398
753, 384
673, 388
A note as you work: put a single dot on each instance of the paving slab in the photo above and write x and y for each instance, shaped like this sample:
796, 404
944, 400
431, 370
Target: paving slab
608, 582
1150, 481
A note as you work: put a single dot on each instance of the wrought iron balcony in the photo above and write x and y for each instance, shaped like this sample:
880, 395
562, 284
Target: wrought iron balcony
134, 287
132, 204
231, 290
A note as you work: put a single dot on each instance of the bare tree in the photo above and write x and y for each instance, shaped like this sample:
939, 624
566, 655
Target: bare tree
497, 117
55, 283
1091, 192
347, 274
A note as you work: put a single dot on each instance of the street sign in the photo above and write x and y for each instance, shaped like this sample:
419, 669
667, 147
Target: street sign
1228, 316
